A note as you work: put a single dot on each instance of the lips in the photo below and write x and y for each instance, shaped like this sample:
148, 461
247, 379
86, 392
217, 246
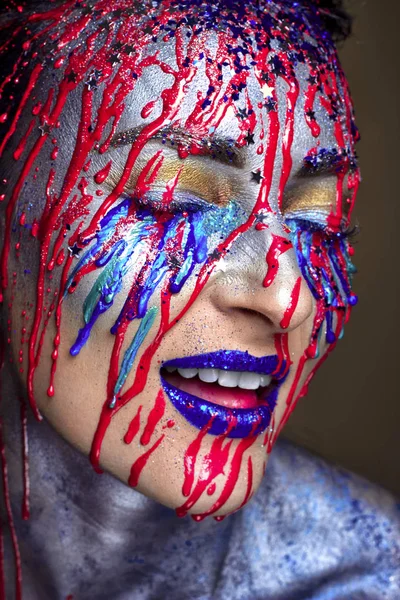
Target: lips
231, 411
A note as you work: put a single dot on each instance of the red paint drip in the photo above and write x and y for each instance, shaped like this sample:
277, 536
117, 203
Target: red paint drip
10, 519
148, 109
279, 245
211, 489
140, 463
21, 146
25, 462
154, 418
191, 457
102, 175
294, 299
231, 479
213, 464
133, 427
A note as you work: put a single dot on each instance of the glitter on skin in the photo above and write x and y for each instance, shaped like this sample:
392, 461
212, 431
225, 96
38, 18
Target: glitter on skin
178, 243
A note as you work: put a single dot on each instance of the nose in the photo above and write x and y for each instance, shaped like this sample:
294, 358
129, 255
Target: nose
260, 278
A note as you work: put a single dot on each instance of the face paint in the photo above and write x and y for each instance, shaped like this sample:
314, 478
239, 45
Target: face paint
139, 257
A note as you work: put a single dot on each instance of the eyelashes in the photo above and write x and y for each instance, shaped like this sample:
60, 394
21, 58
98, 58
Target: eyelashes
303, 224
156, 202
181, 203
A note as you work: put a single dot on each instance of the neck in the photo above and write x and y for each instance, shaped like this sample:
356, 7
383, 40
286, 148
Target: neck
85, 530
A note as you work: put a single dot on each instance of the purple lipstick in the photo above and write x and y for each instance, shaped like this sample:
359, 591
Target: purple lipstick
234, 391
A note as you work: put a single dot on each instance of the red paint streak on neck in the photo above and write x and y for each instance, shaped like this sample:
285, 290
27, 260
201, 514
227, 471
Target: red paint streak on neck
294, 299
154, 418
10, 519
140, 463
133, 427
31, 84
25, 461
279, 245
21, 146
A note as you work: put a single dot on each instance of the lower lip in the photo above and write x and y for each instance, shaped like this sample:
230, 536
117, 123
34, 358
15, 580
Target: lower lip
221, 419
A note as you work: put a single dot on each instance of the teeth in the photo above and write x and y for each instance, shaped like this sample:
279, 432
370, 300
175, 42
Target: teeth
208, 375
228, 379
188, 373
265, 380
250, 381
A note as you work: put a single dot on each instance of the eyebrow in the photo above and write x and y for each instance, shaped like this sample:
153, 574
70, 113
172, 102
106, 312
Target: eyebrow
220, 148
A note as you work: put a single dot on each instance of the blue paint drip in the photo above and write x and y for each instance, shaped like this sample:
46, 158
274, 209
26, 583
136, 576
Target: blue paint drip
129, 357
120, 257
337, 287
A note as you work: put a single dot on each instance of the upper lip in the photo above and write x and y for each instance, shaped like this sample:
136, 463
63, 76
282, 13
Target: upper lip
232, 360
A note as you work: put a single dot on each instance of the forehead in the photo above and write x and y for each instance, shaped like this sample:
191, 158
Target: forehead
217, 71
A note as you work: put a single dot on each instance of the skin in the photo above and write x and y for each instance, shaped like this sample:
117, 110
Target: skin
234, 310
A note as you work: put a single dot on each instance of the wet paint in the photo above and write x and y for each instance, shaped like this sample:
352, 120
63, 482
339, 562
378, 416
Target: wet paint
148, 240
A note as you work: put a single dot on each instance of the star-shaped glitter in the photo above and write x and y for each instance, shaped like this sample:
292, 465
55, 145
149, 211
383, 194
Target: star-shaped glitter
242, 113
249, 138
45, 128
262, 218
114, 59
71, 77
174, 262
74, 250
277, 66
311, 114
270, 104
91, 82
215, 254
312, 80
129, 50
266, 77
256, 176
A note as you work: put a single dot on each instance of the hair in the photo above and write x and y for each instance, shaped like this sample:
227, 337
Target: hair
335, 18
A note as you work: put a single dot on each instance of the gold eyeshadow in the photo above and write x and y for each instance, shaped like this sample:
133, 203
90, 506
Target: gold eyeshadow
314, 195
211, 185
208, 184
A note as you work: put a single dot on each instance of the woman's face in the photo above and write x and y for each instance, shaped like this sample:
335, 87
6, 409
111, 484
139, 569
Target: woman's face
175, 263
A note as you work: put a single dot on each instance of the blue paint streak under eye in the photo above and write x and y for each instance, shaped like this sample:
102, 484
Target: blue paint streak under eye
129, 357
140, 236
337, 286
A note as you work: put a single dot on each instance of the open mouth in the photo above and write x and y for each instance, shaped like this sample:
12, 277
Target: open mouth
227, 392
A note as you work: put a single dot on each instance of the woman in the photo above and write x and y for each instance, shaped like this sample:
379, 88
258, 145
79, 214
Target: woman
178, 182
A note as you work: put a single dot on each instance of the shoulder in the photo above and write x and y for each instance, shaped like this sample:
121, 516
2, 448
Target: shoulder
315, 525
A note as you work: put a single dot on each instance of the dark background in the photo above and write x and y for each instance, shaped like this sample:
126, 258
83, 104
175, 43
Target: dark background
352, 413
